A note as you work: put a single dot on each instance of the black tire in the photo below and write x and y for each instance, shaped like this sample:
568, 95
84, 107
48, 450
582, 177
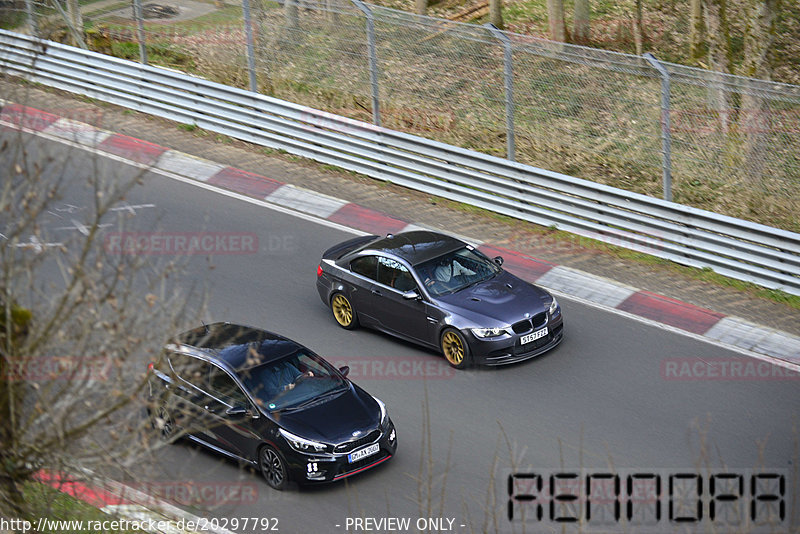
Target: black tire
455, 348
273, 468
343, 311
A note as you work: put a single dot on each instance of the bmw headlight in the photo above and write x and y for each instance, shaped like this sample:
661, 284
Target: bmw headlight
488, 332
301, 444
553, 306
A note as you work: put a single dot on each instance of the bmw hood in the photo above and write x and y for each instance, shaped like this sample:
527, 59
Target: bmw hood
504, 298
333, 420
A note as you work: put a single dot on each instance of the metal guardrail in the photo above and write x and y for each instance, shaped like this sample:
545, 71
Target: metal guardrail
740, 249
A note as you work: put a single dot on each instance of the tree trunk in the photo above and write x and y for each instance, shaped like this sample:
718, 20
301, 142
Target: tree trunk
638, 31
13, 329
759, 37
755, 120
75, 19
421, 7
719, 56
496, 13
580, 29
555, 17
696, 31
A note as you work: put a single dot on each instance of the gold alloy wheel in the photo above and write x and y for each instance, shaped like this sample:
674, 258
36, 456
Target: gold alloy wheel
453, 348
342, 310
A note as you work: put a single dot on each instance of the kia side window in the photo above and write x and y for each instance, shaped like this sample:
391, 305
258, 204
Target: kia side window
365, 266
189, 369
225, 388
394, 274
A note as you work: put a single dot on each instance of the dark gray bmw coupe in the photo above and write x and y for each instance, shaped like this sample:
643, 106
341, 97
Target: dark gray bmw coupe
441, 292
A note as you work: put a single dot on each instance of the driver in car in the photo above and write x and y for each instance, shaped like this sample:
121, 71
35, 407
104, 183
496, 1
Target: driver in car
447, 269
286, 376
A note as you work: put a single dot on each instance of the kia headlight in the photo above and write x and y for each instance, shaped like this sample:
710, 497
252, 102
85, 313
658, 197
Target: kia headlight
384, 413
302, 444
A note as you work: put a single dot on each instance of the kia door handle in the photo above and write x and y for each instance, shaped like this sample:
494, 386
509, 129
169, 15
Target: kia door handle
377, 292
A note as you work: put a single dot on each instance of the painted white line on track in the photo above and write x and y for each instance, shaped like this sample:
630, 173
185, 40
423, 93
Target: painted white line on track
756, 338
306, 201
78, 132
586, 286
186, 165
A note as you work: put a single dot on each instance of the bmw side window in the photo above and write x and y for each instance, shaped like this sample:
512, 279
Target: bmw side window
225, 388
365, 266
394, 274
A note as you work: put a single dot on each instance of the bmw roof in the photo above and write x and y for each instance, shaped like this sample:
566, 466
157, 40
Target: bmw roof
417, 246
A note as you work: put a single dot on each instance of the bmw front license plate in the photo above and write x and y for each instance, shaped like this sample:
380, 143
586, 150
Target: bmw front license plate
533, 336
363, 453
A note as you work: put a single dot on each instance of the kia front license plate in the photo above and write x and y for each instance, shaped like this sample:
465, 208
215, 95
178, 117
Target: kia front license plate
363, 453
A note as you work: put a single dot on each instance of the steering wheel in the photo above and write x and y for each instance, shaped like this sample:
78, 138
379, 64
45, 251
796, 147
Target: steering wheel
303, 376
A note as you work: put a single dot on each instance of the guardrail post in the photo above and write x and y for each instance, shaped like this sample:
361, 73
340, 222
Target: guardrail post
666, 135
373, 61
137, 13
508, 75
248, 30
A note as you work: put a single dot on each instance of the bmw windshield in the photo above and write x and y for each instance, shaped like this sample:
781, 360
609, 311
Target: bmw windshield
456, 270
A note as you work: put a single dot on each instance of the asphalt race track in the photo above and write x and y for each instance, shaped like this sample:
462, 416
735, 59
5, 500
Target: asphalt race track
604, 399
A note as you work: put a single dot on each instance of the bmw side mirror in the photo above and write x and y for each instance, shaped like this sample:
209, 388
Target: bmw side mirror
345, 369
411, 295
498, 260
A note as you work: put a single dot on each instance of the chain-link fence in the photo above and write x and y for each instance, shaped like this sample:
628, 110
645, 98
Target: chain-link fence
705, 139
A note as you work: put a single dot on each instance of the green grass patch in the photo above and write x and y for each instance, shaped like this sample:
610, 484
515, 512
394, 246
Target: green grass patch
157, 53
11, 19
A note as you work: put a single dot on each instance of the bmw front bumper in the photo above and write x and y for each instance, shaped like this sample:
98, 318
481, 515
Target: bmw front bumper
508, 348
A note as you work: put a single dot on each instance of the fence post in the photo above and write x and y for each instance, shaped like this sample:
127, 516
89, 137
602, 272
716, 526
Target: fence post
31, 18
373, 61
137, 13
76, 32
508, 75
248, 30
666, 139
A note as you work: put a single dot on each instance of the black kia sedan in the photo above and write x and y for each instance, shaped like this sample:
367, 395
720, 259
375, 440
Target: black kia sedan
438, 291
265, 400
